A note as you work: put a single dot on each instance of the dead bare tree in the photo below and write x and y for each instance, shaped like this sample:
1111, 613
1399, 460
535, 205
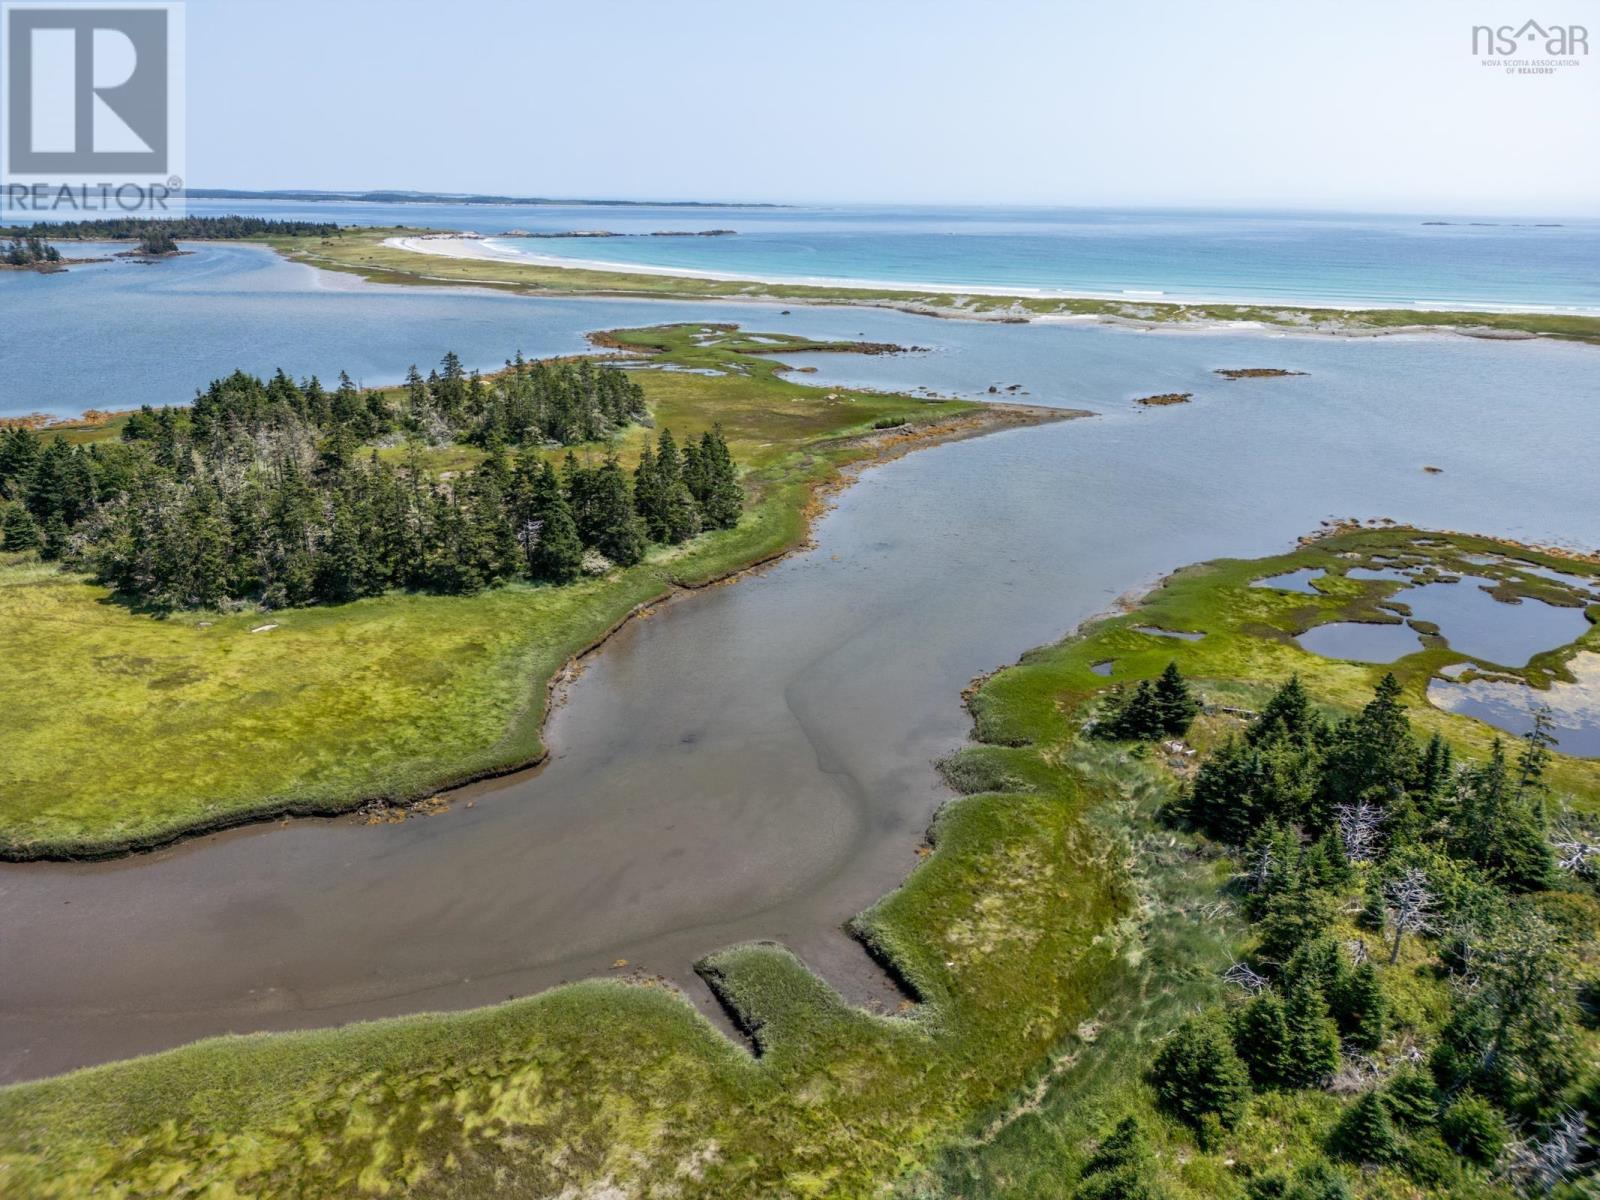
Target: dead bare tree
1260, 868
1409, 905
1538, 1166
1358, 827
1246, 977
1576, 853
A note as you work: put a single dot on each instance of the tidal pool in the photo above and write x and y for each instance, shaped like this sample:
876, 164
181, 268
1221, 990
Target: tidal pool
1574, 707
1361, 641
756, 760
1474, 623
1292, 581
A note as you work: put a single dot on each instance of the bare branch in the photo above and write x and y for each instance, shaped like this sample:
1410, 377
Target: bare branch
1359, 824
1409, 906
1246, 977
1537, 1167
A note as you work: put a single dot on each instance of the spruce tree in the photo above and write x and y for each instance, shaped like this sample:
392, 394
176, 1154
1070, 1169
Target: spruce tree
723, 500
1121, 1167
647, 495
1313, 1037
1411, 1097
1372, 756
1197, 1074
1475, 1130
679, 514
1365, 1134
1498, 828
1288, 715
53, 545
617, 532
1261, 1037
554, 550
21, 530
1361, 1010
1374, 915
1176, 707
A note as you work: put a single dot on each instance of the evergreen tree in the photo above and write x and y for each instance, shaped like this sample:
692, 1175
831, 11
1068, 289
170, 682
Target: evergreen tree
21, 531
1121, 1167
647, 495
1326, 863
1294, 917
1360, 1009
1535, 756
1289, 716
1475, 1130
206, 574
1197, 1074
680, 515
1371, 756
613, 528
1365, 1134
1134, 716
1498, 828
1176, 707
1510, 1038
554, 550
1246, 785
19, 451
56, 541
1373, 916
1313, 1037
417, 407
722, 498
1273, 862
1411, 1098
1261, 1038
1320, 962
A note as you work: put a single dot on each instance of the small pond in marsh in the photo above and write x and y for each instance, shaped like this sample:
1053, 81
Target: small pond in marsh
1361, 641
1292, 581
1574, 707
1470, 619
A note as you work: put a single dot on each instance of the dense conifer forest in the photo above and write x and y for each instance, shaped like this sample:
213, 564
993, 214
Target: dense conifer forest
225, 228
1434, 857
275, 492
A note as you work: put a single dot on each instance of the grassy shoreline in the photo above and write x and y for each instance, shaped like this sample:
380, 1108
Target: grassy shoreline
1050, 936
130, 733
363, 252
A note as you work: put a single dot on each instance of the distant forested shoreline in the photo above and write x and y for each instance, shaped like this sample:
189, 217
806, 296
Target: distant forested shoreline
225, 228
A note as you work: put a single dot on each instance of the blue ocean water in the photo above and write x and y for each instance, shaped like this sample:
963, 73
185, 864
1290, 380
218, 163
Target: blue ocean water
1280, 257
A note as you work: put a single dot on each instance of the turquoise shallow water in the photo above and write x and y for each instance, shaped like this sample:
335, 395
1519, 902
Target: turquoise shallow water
1272, 257
1337, 258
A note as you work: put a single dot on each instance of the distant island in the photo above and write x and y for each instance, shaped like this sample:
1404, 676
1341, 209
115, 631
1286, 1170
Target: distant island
405, 197
30, 253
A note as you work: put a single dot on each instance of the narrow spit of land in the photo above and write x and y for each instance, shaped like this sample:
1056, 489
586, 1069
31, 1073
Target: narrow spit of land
396, 256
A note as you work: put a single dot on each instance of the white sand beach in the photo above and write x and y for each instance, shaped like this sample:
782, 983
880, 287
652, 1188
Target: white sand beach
493, 249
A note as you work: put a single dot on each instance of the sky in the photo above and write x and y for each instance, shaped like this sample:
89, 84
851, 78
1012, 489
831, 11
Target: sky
1361, 104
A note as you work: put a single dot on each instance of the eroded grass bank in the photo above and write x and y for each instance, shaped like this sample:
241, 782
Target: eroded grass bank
125, 731
1052, 935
